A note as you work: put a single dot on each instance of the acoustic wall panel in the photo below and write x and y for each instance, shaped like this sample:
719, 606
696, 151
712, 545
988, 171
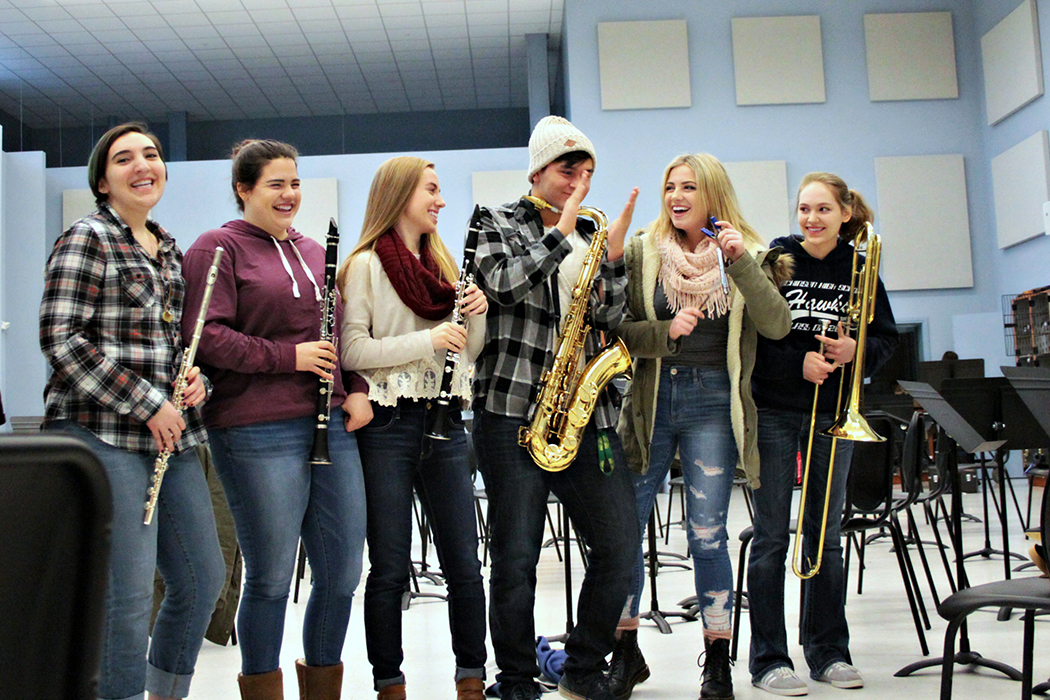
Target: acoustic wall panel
1013, 64
762, 190
497, 187
1021, 183
778, 60
924, 223
76, 204
320, 203
644, 65
911, 56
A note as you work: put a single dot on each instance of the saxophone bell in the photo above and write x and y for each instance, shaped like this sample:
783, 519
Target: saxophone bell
568, 397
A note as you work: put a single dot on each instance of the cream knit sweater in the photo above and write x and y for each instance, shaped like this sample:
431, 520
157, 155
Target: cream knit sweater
389, 345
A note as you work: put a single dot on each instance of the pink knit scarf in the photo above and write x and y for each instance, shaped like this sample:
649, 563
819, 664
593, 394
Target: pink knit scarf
691, 278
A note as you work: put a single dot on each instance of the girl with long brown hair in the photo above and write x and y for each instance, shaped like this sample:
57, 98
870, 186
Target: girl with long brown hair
396, 334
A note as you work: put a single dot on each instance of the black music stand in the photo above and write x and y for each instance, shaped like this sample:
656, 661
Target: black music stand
659, 617
993, 406
566, 526
1032, 385
962, 433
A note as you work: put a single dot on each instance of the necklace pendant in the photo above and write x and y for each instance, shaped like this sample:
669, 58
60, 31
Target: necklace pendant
167, 316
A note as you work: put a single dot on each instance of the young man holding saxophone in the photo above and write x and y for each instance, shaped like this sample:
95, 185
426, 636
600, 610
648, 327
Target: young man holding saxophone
530, 256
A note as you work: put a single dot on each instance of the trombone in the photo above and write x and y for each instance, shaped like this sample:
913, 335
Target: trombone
850, 423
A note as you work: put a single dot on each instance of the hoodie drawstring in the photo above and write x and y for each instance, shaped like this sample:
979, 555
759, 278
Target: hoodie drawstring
317, 289
288, 269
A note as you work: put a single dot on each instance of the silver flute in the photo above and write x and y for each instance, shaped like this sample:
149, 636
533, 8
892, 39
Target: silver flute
161, 465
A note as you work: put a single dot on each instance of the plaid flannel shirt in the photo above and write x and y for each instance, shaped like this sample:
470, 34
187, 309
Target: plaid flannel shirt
516, 264
113, 356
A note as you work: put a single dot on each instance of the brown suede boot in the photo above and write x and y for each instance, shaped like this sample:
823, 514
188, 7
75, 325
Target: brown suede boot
319, 682
392, 692
262, 686
470, 689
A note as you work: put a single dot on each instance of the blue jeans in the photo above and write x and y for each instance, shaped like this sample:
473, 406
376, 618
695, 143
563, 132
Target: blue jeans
276, 498
825, 635
693, 420
396, 458
183, 544
600, 507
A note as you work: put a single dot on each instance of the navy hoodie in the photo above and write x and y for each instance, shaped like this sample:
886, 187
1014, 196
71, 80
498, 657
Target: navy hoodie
817, 291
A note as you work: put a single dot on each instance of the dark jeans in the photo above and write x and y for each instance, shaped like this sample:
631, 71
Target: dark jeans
602, 509
825, 634
396, 457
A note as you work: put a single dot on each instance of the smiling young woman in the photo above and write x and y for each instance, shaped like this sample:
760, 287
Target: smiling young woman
260, 347
693, 337
396, 335
113, 299
830, 216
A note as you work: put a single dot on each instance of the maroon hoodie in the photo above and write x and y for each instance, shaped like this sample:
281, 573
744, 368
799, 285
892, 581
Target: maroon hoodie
263, 304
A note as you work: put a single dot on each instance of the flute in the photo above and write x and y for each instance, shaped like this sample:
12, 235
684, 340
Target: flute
161, 465
319, 451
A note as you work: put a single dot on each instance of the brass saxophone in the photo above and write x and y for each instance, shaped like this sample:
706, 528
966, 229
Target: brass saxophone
569, 395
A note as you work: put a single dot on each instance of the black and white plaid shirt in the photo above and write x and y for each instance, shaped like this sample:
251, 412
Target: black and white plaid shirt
113, 355
516, 265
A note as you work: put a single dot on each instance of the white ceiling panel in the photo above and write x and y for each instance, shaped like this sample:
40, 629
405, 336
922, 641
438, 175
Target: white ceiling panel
442, 51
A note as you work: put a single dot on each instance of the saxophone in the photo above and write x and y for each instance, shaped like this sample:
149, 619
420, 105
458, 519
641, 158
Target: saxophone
568, 395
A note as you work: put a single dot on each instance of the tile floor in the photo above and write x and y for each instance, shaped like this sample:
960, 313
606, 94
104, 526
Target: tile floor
883, 637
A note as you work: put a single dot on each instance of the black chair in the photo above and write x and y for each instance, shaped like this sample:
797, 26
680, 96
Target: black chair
1030, 594
871, 504
55, 511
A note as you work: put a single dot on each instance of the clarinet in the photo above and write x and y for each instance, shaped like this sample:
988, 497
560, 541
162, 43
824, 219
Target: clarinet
161, 465
438, 418
319, 451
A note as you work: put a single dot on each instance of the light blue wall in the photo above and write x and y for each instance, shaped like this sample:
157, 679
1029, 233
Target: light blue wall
24, 254
199, 197
844, 135
1027, 265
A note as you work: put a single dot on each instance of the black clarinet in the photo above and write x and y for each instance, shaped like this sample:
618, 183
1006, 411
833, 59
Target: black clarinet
438, 418
319, 451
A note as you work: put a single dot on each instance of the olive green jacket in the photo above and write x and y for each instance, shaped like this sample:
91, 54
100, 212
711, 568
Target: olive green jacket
755, 306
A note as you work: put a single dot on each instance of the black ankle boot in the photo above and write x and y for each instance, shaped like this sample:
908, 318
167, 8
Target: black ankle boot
718, 677
628, 667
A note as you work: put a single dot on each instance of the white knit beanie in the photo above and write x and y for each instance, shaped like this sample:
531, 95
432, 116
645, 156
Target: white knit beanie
552, 138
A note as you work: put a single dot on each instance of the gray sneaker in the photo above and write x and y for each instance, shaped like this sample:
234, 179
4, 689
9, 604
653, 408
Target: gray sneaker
841, 675
781, 681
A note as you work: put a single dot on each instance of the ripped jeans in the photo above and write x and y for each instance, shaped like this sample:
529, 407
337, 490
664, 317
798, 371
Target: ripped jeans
693, 420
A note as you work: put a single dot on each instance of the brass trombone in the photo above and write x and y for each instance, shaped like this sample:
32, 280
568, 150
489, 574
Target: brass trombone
850, 423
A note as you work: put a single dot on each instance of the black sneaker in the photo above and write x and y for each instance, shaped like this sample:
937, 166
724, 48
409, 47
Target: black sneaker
520, 691
718, 677
628, 667
586, 686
